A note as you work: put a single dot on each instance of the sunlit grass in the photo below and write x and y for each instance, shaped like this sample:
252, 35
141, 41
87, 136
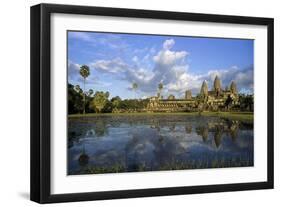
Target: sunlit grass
242, 116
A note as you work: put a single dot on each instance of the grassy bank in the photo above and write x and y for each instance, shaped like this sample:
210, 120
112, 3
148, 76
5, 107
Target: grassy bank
194, 164
242, 116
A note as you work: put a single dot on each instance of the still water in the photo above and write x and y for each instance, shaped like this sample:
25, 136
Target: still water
110, 144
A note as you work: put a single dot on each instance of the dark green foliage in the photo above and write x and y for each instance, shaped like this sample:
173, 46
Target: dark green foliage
108, 107
84, 71
116, 102
246, 102
100, 103
75, 100
132, 104
100, 100
228, 101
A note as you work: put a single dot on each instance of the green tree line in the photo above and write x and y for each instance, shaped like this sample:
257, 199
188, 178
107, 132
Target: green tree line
99, 102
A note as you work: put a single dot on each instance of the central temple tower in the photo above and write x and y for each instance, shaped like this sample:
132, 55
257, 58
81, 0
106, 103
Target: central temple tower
217, 86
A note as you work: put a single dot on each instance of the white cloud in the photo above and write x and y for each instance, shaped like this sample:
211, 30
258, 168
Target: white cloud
73, 69
152, 50
168, 57
140, 75
168, 44
169, 67
112, 66
135, 59
185, 82
108, 40
146, 57
243, 78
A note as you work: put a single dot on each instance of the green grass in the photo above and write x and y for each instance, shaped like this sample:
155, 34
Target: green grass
241, 116
133, 114
176, 165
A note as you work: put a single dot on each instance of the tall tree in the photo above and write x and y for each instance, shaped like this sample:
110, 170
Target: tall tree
116, 102
135, 87
84, 72
160, 88
99, 101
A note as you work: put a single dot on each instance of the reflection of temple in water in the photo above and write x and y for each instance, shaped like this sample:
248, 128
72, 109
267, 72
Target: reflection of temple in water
188, 129
203, 131
234, 131
218, 129
218, 136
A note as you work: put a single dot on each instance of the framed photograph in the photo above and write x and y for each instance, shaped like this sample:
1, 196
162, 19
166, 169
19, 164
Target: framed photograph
133, 103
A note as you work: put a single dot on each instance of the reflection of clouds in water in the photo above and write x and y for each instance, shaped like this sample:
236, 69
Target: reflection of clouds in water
244, 140
106, 158
153, 142
188, 129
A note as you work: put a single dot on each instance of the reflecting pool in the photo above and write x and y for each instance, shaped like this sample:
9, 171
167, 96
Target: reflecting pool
130, 143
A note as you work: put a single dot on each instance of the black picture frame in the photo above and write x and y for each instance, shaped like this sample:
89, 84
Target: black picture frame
41, 96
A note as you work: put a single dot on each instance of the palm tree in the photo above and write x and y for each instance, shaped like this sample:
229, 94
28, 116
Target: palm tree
84, 72
160, 87
135, 87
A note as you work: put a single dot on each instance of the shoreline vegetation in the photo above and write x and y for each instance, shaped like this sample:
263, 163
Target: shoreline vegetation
239, 116
177, 165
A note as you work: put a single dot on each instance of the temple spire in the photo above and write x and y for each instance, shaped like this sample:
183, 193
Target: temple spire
217, 85
204, 89
233, 87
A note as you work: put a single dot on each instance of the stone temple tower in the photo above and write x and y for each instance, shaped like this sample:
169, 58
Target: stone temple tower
233, 88
188, 94
217, 86
204, 89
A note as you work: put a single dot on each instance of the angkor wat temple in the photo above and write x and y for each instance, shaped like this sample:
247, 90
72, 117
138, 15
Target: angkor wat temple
209, 100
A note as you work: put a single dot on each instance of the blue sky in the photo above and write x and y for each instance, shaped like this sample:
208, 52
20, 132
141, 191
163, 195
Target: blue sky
180, 63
